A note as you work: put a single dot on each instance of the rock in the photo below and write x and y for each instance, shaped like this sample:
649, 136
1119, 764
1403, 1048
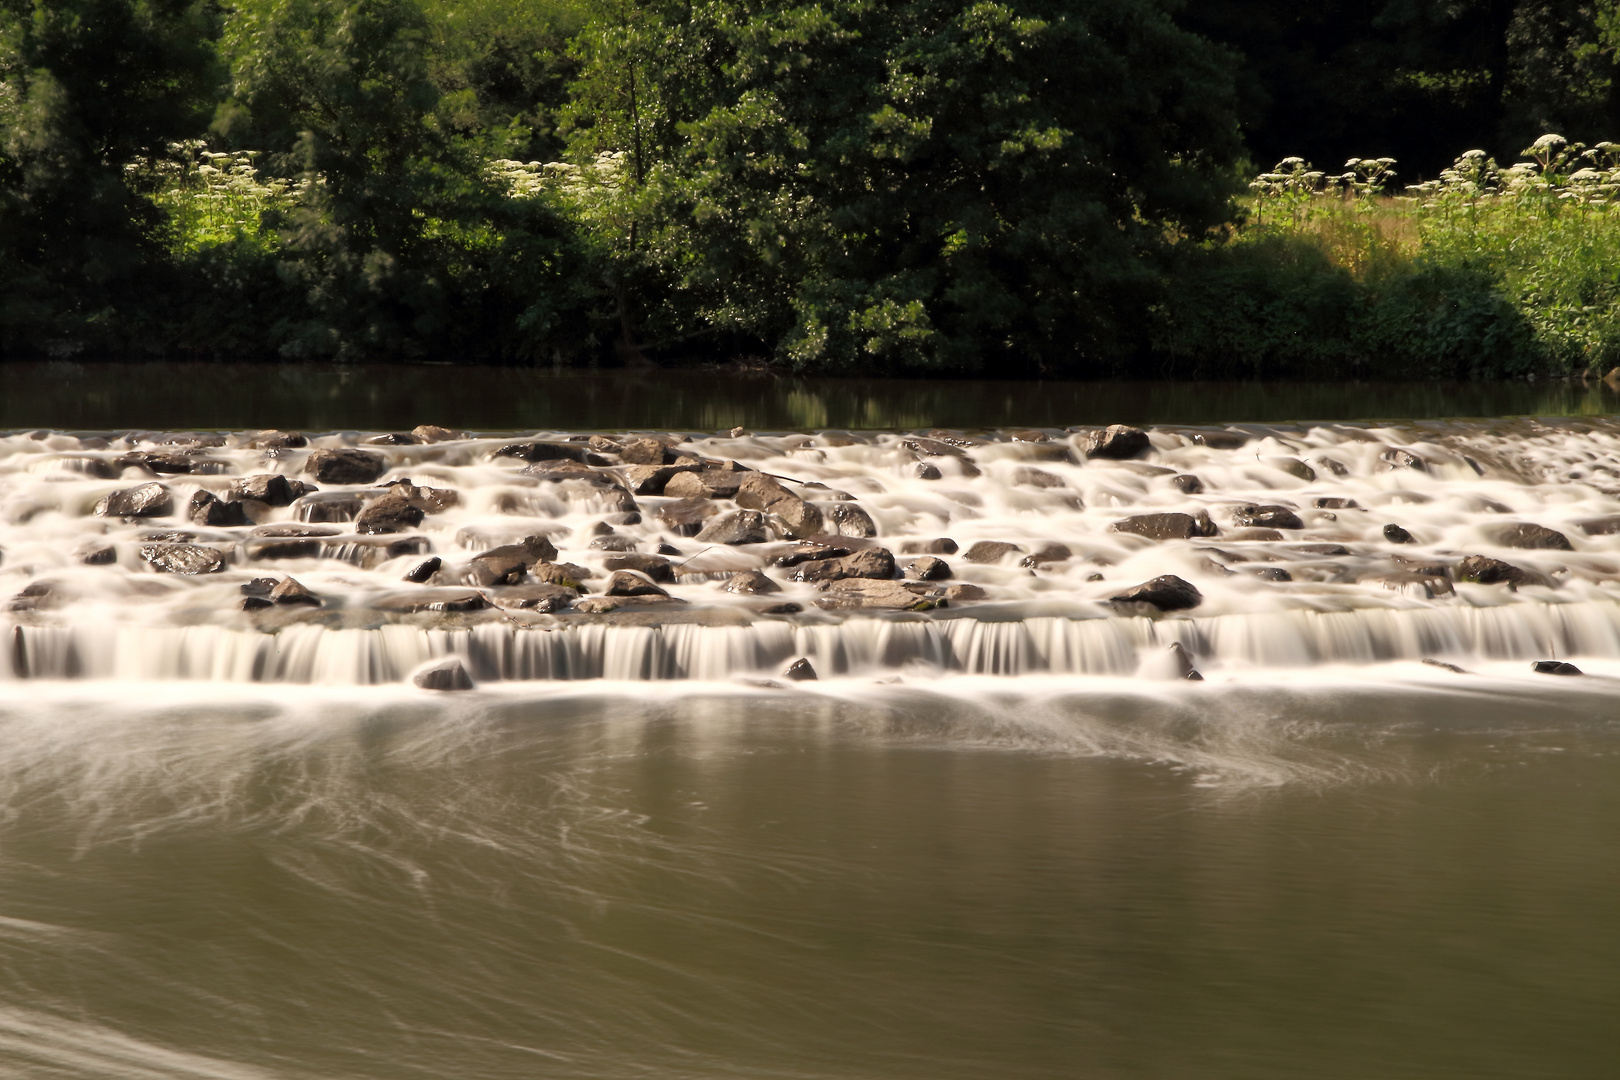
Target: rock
1272, 573
424, 570
1116, 441
418, 601
429, 500
656, 567
1256, 536
800, 671
1028, 435
751, 583
542, 598
652, 479
345, 466
506, 565
1335, 503
847, 519
799, 519
96, 553
556, 472
612, 542
1266, 517
685, 518
89, 466
1397, 535
931, 447
166, 463
928, 568
1554, 667
1442, 665
642, 452
1603, 526
927, 471
1220, 440
290, 591
272, 489
630, 583
877, 563
1292, 466
547, 451
1028, 476
389, 514
394, 438
444, 675
207, 509
1183, 662
183, 558
1523, 534
276, 440
323, 506
556, 573
1048, 553
1167, 593
1322, 549
145, 500
255, 603
1488, 571
794, 554
259, 586
1402, 459
964, 593
288, 541
429, 433
1188, 484
944, 545
865, 593
1171, 526
737, 527
704, 484
991, 551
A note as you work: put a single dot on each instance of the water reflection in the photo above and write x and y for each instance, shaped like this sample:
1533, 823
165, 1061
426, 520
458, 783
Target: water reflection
108, 396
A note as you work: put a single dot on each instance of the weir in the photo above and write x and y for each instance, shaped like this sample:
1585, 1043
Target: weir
352, 558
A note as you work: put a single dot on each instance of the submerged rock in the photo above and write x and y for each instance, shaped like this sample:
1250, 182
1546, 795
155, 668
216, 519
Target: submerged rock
1523, 534
656, 567
865, 593
182, 558
1167, 593
96, 553
444, 675
1188, 484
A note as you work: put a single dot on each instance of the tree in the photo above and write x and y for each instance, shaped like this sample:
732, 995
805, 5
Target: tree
85, 86
931, 184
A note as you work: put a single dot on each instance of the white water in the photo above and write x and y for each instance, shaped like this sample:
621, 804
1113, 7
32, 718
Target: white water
124, 621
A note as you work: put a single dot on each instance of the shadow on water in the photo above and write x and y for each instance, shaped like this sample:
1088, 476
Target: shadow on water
111, 396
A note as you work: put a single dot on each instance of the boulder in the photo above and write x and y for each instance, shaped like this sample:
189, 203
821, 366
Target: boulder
737, 527
1173, 526
847, 519
612, 542
630, 583
1335, 503
424, 570
869, 594
272, 489
556, 573
804, 551
751, 583
928, 568
555, 472
542, 598
943, 545
429, 500
642, 452
686, 517
652, 479
1523, 534
507, 564
96, 553
800, 670
183, 558
756, 491
276, 440
964, 593
656, 567
1167, 593
290, 591
345, 465
1488, 571
1397, 535
166, 463
1048, 553
390, 514
991, 551
205, 508
1603, 526
418, 601
144, 500
1220, 440
927, 471
876, 563
430, 433
1554, 667
444, 675
1116, 442
1187, 484
547, 451
1269, 516
704, 484
255, 603
1396, 458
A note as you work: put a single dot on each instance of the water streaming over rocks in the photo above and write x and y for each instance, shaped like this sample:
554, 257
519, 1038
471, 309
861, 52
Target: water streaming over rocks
366, 558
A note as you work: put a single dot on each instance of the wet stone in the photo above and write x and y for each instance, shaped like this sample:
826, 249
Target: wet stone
1046, 553
146, 500
1173, 526
800, 670
686, 517
205, 508
737, 527
1524, 534
1167, 593
547, 451
1554, 667
541, 597
1487, 571
446, 675
868, 563
751, 583
430, 433
655, 567
1187, 484
704, 484
1335, 503
96, 553
183, 558
991, 551
291, 592
927, 471
556, 573
943, 545
847, 519
1396, 458
794, 554
272, 489
1117, 442
928, 568
1027, 476
424, 570
868, 594
1270, 516
1397, 535
345, 466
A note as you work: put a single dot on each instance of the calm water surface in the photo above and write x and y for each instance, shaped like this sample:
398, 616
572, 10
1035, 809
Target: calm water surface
1359, 878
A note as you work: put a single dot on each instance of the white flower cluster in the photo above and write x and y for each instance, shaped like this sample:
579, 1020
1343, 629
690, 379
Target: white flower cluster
526, 179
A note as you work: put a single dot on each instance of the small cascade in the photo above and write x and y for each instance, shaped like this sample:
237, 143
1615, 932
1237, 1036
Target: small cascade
353, 559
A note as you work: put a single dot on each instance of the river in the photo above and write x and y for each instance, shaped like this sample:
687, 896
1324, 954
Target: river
1000, 835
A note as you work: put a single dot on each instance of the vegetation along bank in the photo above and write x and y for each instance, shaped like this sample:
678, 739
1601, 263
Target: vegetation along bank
1031, 187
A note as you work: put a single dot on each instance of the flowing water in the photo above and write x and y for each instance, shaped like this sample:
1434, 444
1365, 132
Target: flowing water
1001, 835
